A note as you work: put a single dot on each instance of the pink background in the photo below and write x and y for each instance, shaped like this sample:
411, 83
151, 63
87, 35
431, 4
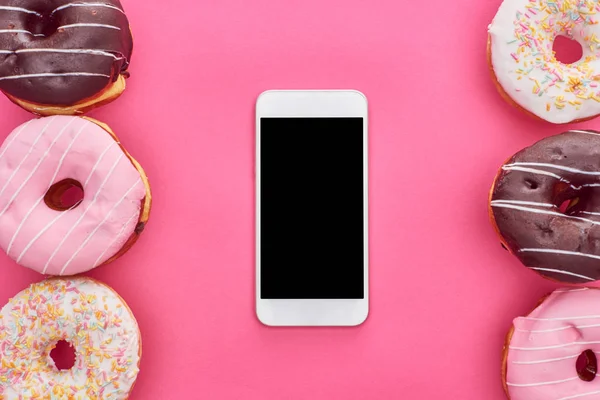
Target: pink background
443, 292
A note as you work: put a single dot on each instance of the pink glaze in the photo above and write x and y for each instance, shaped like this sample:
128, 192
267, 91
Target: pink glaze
546, 344
45, 151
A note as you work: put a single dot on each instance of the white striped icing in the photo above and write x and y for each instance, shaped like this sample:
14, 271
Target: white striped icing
542, 172
39, 200
525, 203
546, 212
548, 360
554, 166
20, 9
22, 31
555, 251
60, 215
29, 151
563, 272
88, 25
66, 51
87, 5
118, 236
562, 328
556, 346
50, 74
110, 146
590, 212
576, 396
93, 232
106, 178
561, 318
14, 137
37, 165
541, 383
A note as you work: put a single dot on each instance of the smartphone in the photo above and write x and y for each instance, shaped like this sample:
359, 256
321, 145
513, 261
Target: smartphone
312, 208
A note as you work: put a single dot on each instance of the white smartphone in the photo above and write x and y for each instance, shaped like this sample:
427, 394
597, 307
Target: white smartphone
312, 208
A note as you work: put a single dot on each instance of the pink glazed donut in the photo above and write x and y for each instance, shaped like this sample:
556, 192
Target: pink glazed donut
39, 162
551, 353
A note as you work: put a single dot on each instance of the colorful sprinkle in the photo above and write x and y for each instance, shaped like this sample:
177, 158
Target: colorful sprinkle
85, 313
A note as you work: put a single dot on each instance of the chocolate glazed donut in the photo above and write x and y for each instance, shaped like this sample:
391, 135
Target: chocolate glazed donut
63, 56
545, 205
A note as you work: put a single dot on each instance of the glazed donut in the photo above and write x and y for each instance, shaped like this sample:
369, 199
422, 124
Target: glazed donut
552, 353
43, 158
560, 243
88, 315
523, 64
63, 56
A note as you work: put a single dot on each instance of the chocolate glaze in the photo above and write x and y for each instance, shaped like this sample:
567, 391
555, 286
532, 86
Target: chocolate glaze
43, 23
539, 234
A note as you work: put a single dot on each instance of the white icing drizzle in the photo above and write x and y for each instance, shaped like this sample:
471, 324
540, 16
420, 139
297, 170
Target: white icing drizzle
13, 138
39, 200
525, 203
554, 166
86, 5
92, 233
53, 74
41, 232
576, 396
560, 271
88, 25
60, 215
33, 171
20, 9
98, 161
549, 360
108, 175
565, 252
22, 31
541, 383
67, 51
117, 237
561, 318
590, 212
556, 346
538, 211
39, 136
562, 328
541, 172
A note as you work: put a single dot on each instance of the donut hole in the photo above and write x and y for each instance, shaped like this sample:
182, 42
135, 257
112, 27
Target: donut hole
587, 366
565, 205
567, 50
64, 195
533, 185
63, 355
45, 23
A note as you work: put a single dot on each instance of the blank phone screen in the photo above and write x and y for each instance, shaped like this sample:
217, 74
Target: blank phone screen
311, 208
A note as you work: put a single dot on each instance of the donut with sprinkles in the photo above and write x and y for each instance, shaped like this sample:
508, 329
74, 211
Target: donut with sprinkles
63, 56
545, 206
552, 353
88, 315
44, 228
524, 66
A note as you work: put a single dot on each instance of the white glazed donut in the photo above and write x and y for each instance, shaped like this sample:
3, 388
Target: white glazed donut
87, 314
521, 57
